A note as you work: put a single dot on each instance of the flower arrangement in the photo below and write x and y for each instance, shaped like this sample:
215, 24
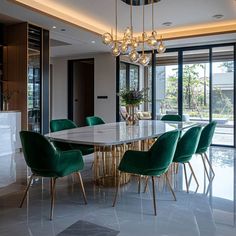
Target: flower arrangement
133, 97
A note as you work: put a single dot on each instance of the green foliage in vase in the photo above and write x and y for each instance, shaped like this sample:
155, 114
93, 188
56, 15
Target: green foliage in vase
133, 97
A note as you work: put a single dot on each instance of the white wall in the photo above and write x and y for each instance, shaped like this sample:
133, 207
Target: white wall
104, 85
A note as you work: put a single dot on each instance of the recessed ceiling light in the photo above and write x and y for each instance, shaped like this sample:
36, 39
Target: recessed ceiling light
168, 23
93, 41
218, 16
63, 29
54, 27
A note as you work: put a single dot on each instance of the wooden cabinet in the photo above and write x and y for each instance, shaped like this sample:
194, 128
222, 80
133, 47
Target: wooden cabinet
26, 69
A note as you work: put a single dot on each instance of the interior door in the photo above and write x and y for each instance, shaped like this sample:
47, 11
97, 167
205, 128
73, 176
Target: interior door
83, 90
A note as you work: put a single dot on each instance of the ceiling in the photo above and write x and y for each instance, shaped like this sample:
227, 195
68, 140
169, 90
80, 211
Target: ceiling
85, 20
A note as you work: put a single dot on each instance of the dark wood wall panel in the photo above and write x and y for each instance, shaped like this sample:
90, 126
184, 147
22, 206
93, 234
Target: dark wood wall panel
15, 68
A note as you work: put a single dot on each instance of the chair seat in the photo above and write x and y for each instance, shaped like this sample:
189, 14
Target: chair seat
68, 162
85, 149
201, 150
182, 159
138, 162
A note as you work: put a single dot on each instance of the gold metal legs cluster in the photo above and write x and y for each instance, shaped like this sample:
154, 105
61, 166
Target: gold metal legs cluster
106, 162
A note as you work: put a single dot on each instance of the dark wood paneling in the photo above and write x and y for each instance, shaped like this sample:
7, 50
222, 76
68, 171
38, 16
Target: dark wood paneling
16, 68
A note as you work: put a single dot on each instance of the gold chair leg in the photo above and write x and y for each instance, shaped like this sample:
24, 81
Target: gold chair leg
176, 168
92, 165
186, 180
82, 187
170, 187
211, 168
194, 176
117, 190
26, 190
146, 185
205, 168
53, 188
154, 197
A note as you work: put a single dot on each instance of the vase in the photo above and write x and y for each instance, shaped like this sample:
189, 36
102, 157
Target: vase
131, 118
5, 106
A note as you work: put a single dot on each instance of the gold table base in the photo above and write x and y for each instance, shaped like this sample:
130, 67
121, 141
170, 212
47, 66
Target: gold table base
107, 160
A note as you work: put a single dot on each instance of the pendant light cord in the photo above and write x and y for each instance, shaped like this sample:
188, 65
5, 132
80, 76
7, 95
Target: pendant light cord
152, 15
131, 16
116, 19
143, 25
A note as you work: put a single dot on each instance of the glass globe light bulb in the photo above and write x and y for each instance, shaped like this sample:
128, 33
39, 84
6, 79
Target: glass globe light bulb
116, 51
107, 38
124, 47
152, 41
135, 43
154, 33
133, 56
128, 32
161, 48
144, 35
144, 60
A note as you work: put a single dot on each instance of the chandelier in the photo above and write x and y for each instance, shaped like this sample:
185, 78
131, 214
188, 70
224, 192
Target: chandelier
129, 43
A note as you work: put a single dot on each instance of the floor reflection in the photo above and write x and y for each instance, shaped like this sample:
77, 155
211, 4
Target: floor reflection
209, 211
7, 170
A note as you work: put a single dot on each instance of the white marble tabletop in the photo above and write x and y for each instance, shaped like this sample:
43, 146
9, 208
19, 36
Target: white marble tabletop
117, 133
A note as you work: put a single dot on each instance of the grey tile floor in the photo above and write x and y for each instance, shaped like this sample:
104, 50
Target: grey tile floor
209, 211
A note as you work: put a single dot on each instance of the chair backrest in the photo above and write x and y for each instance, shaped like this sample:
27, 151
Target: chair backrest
187, 145
171, 118
206, 137
162, 151
39, 153
94, 120
61, 124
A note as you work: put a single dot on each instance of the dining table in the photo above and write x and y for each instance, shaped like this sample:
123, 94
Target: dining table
111, 140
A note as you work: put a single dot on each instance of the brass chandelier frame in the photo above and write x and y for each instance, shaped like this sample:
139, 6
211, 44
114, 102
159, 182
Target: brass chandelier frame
129, 43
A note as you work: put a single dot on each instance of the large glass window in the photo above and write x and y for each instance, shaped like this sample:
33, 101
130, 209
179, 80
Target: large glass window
223, 94
133, 76
167, 83
122, 76
197, 82
196, 85
34, 79
129, 79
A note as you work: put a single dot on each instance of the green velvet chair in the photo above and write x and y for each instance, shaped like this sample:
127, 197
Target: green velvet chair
186, 148
63, 124
45, 161
204, 144
94, 120
171, 118
154, 162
